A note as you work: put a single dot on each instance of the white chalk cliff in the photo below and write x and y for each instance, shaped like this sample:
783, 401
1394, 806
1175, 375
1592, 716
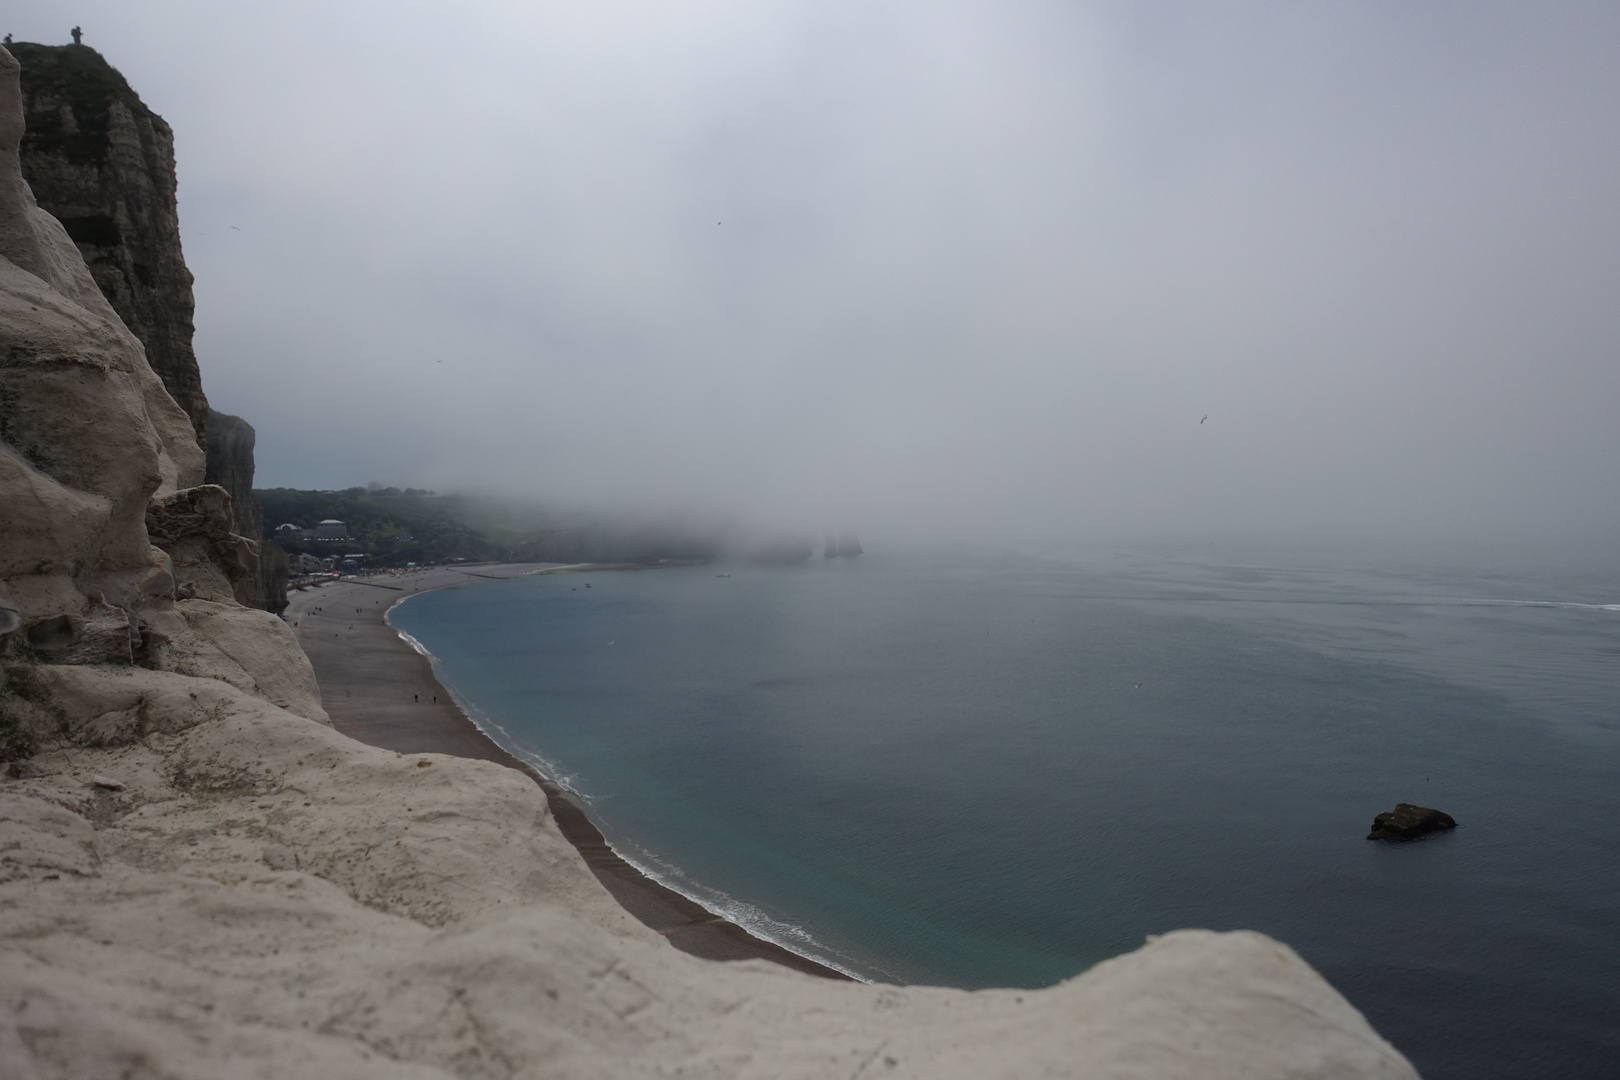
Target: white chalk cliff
200, 878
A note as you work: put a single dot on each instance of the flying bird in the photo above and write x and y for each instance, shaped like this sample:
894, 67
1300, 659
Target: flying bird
1206, 417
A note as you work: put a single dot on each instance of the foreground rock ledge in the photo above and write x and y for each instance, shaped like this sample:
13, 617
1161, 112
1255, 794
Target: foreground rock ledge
266, 897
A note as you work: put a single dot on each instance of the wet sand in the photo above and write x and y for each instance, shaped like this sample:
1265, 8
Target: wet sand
379, 690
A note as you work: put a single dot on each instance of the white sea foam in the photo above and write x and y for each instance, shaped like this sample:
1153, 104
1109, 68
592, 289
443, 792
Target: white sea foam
794, 939
413, 643
486, 726
1560, 604
1355, 601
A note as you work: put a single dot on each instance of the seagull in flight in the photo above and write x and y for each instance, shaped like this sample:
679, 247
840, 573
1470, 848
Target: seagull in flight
1206, 417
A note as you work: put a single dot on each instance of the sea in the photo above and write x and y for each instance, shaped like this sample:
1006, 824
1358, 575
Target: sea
994, 768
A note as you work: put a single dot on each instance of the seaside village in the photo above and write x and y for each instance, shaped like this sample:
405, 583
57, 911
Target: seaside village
329, 529
232, 846
303, 563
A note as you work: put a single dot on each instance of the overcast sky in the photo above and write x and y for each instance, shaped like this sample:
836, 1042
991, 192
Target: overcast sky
907, 266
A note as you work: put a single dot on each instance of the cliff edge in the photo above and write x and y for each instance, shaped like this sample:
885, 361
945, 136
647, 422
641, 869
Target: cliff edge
102, 163
200, 878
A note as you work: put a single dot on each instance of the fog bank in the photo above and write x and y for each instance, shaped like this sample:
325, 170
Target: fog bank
982, 268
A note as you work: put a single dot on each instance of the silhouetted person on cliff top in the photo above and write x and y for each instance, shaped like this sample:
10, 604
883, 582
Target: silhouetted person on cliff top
78, 35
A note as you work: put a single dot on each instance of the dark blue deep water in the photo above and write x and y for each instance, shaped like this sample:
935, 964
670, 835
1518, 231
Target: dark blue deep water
982, 772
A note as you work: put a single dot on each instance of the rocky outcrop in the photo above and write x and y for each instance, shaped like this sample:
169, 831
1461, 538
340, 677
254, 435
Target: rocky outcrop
194, 528
87, 431
102, 164
260, 896
93, 451
1408, 822
200, 878
230, 465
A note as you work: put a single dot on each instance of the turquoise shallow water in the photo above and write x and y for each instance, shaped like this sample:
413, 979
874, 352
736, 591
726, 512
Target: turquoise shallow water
976, 772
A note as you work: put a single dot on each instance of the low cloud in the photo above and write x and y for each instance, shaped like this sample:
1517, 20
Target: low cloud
980, 268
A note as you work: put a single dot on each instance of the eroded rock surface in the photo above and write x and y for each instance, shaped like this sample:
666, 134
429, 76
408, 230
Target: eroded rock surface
87, 432
93, 450
102, 163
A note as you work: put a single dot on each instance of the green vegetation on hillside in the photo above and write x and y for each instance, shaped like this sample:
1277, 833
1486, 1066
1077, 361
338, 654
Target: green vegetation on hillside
393, 527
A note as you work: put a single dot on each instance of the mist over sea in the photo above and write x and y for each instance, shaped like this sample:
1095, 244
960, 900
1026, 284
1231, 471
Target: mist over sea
979, 771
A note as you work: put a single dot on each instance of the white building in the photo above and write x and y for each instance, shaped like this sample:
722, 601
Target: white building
289, 531
331, 529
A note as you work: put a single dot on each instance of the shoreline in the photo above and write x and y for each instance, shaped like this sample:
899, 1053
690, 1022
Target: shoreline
380, 690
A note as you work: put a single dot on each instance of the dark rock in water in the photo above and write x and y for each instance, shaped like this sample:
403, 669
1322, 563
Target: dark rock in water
1407, 822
